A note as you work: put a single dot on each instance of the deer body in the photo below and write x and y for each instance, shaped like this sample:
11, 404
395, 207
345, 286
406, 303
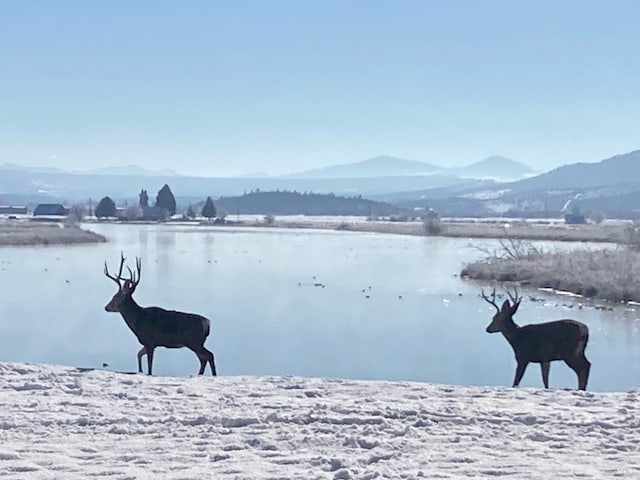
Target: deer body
542, 343
157, 327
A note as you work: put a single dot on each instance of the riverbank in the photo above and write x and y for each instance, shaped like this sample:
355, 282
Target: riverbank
62, 422
27, 233
608, 232
609, 274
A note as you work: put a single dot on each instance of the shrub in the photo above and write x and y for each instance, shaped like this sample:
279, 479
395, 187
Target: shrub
432, 223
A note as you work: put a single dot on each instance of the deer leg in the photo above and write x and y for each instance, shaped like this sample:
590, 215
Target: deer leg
583, 378
581, 366
149, 359
205, 356
522, 366
211, 360
544, 366
141, 353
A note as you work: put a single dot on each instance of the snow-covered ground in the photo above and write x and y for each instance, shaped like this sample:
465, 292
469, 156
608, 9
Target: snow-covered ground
61, 422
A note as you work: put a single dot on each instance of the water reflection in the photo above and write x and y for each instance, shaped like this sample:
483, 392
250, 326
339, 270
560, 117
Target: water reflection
326, 303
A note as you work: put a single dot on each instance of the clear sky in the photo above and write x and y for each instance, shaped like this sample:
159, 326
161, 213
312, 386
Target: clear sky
230, 87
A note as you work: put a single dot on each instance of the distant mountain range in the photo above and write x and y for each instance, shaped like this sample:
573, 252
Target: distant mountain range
130, 170
611, 185
381, 166
117, 170
495, 167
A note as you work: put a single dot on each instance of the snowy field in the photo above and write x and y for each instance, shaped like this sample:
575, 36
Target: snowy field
60, 422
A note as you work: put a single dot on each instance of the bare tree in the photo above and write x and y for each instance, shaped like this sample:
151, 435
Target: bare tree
155, 326
541, 343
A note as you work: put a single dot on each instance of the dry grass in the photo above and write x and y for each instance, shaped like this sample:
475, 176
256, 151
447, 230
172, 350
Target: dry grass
21, 233
603, 233
609, 274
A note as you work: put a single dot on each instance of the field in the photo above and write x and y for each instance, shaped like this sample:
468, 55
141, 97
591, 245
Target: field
25, 233
61, 422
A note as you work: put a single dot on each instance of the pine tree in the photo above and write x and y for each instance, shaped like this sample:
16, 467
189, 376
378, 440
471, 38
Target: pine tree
209, 209
165, 199
144, 198
106, 208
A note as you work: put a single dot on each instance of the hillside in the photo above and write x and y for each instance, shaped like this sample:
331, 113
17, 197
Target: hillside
63, 422
611, 186
616, 170
294, 203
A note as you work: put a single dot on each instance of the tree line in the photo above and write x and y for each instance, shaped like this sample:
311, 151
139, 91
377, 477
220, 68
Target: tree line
259, 202
165, 200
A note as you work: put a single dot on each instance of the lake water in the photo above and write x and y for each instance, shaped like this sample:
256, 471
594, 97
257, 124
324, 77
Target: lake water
420, 321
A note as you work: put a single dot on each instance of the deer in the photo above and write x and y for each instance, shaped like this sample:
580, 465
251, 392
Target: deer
541, 343
155, 326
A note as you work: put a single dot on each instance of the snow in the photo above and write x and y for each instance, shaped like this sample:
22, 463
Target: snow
63, 422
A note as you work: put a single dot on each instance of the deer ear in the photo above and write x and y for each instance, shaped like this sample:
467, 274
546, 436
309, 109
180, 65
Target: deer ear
515, 307
506, 308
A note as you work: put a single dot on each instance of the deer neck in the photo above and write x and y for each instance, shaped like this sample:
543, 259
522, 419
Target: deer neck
510, 330
131, 312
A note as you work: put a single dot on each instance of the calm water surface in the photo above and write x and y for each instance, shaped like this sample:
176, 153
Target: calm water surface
419, 322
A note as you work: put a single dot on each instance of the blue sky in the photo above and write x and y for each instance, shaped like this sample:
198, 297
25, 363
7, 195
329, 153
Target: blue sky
230, 87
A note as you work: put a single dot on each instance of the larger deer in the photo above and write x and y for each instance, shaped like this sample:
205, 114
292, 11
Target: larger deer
543, 342
157, 327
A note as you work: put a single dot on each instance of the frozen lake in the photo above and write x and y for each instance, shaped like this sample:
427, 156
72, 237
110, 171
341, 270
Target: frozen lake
420, 321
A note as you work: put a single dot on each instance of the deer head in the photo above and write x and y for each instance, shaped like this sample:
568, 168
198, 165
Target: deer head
126, 286
504, 316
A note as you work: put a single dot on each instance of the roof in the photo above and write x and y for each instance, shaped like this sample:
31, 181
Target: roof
50, 209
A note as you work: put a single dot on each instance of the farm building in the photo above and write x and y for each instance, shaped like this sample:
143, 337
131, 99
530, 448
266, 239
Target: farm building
50, 209
8, 210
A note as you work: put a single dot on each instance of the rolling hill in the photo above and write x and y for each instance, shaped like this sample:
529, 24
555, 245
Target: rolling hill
381, 166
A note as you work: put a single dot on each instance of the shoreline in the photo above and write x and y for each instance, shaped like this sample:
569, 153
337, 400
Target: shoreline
613, 232
30, 233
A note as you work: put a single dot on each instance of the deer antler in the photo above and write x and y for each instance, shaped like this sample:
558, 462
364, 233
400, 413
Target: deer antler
514, 299
134, 277
119, 276
491, 300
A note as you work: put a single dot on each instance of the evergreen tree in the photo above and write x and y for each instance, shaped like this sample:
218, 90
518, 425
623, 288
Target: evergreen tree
165, 199
144, 198
106, 208
209, 209
190, 212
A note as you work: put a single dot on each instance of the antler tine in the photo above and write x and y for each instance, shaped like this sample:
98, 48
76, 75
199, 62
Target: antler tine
492, 301
134, 277
139, 266
515, 299
119, 276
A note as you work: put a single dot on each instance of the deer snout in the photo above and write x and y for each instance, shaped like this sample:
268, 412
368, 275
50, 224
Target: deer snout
492, 328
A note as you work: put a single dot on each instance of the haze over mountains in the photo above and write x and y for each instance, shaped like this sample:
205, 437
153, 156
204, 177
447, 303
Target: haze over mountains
479, 189
495, 167
368, 177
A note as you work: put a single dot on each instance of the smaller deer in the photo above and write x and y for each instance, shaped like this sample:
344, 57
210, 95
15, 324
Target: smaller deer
541, 343
157, 327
